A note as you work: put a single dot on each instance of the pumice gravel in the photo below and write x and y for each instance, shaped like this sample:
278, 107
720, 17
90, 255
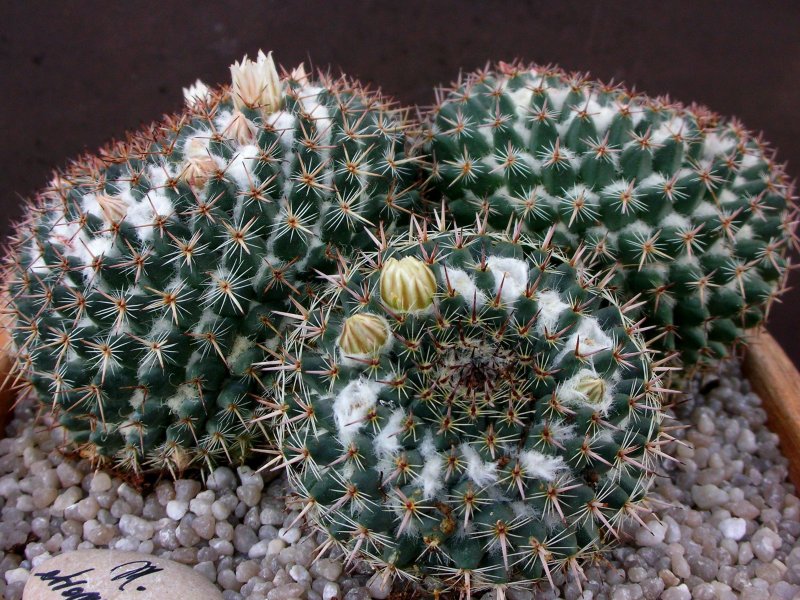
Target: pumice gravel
726, 520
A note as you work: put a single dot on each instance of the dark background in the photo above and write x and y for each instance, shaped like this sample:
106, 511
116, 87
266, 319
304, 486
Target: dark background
73, 75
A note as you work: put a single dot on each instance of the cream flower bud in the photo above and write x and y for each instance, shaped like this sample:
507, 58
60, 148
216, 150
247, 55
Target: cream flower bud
239, 128
592, 388
407, 284
198, 166
363, 333
299, 74
114, 209
256, 84
197, 93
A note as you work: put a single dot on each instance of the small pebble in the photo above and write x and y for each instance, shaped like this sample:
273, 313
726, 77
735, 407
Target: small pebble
680, 592
733, 528
176, 509
101, 482
653, 535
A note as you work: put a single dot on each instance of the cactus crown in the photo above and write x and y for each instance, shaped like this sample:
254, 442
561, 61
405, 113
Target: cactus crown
147, 281
690, 210
468, 408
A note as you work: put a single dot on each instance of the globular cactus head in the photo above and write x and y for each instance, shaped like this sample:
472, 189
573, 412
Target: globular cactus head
147, 281
691, 211
468, 409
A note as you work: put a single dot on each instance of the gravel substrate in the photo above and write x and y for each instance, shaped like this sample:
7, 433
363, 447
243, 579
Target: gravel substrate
726, 521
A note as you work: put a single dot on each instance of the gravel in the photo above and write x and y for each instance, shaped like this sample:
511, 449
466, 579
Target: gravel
725, 524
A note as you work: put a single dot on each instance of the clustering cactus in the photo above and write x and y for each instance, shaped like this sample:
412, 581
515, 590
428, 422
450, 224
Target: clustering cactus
690, 210
147, 282
469, 409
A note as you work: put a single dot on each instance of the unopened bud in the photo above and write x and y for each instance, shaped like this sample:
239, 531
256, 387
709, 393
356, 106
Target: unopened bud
592, 388
363, 333
407, 284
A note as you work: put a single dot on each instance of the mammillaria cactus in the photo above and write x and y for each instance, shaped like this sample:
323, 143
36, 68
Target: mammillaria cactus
469, 409
147, 281
691, 210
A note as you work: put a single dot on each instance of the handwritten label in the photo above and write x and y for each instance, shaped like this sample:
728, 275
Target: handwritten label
67, 585
115, 575
134, 573
71, 587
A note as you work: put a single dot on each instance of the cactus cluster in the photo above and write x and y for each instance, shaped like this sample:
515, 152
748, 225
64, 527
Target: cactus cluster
147, 282
690, 210
470, 409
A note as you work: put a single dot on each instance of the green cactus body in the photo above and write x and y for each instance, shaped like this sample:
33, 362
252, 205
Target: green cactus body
147, 282
690, 210
469, 410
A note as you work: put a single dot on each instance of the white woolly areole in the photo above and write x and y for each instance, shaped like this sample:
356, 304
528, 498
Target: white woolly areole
183, 394
541, 466
654, 180
240, 345
602, 116
430, 478
558, 96
550, 307
242, 165
726, 196
521, 98
387, 442
751, 160
351, 406
589, 338
570, 394
462, 283
745, 233
676, 220
512, 274
668, 129
481, 473
716, 145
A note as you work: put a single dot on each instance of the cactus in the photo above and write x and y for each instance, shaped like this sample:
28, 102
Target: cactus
468, 409
690, 210
147, 281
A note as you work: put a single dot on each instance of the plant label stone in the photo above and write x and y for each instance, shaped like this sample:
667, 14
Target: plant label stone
113, 575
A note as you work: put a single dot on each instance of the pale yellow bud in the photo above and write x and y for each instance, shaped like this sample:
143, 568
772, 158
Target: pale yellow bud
256, 84
299, 74
114, 209
593, 388
407, 284
240, 128
363, 333
199, 166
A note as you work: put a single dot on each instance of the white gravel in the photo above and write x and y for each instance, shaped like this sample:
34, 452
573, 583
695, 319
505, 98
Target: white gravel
726, 522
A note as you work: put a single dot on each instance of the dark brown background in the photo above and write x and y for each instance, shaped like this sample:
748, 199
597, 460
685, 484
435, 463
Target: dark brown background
73, 75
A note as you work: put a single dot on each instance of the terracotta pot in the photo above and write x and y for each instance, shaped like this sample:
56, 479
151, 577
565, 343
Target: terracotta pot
776, 380
7, 395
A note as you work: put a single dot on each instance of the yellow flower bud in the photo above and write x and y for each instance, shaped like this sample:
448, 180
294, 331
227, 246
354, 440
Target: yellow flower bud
407, 284
363, 333
593, 388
